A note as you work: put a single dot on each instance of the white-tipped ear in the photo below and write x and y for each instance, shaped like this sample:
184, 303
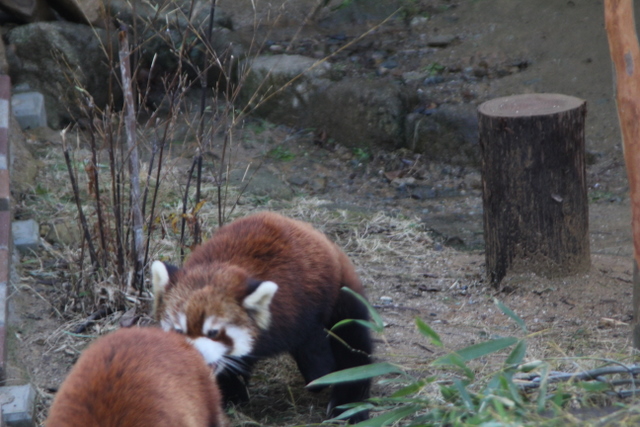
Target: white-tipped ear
258, 302
159, 277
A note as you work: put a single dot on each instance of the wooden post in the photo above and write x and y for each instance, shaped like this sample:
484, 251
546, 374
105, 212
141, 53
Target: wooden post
625, 54
536, 215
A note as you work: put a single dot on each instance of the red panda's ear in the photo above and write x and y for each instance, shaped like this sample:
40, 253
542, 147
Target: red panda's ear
258, 299
161, 277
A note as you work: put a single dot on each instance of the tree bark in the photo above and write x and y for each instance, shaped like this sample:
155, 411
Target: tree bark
536, 214
625, 54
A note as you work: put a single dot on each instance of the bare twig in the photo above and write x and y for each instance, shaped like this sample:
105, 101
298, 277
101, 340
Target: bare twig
95, 179
134, 167
184, 205
76, 196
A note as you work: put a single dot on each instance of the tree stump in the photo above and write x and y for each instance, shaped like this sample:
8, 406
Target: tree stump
536, 214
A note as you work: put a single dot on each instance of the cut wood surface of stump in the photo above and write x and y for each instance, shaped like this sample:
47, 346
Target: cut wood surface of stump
536, 215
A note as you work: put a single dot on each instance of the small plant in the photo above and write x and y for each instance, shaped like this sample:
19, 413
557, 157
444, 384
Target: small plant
505, 397
410, 9
434, 69
362, 155
281, 153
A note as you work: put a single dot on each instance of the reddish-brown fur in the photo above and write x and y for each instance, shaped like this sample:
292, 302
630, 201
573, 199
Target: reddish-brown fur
309, 270
138, 377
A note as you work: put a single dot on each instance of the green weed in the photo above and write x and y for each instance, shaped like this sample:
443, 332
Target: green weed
281, 153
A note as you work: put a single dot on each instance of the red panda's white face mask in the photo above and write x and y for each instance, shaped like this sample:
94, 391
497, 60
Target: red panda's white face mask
219, 311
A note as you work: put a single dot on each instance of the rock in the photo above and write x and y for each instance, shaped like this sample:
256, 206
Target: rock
359, 12
359, 113
26, 235
18, 405
441, 40
4, 66
28, 109
448, 133
267, 74
62, 232
298, 180
88, 12
55, 58
28, 10
419, 22
163, 31
355, 112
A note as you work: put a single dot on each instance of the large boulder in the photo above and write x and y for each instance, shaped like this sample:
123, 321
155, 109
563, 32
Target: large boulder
280, 87
62, 60
448, 133
298, 91
358, 112
173, 34
89, 12
27, 10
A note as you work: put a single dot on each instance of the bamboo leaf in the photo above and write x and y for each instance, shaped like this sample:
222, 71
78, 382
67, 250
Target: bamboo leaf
542, 393
506, 310
464, 395
517, 354
410, 389
429, 333
377, 319
356, 374
477, 350
364, 323
595, 386
390, 417
353, 409
454, 359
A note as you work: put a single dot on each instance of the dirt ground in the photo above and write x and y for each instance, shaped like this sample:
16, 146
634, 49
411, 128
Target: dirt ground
418, 256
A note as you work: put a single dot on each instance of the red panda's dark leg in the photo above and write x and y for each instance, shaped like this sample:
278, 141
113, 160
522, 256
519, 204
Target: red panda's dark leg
356, 352
314, 357
233, 387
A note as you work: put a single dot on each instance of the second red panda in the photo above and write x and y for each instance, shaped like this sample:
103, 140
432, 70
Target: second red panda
264, 285
138, 377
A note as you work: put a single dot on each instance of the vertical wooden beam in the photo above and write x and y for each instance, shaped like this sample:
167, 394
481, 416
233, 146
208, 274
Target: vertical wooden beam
625, 54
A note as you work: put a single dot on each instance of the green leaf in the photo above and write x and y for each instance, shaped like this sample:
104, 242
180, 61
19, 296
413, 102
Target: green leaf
517, 354
507, 384
542, 393
506, 310
429, 333
477, 350
358, 373
456, 360
377, 319
593, 386
390, 417
354, 409
364, 323
530, 366
410, 389
464, 395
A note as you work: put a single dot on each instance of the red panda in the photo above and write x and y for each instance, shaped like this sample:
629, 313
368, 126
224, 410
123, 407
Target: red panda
264, 285
138, 377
